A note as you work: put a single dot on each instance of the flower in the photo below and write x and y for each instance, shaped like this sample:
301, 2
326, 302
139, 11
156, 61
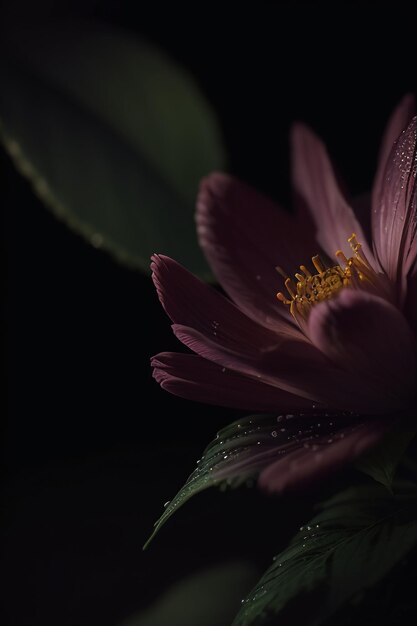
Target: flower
334, 358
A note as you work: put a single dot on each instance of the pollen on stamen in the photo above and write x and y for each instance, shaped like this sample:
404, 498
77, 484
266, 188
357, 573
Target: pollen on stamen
310, 289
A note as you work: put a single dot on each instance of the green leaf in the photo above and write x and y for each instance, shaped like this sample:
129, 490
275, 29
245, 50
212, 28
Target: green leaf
209, 597
242, 449
228, 461
113, 136
381, 463
349, 547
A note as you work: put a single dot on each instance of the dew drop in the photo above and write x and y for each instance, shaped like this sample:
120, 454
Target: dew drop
274, 433
166, 503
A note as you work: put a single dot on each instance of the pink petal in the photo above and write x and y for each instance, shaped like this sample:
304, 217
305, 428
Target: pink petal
314, 181
245, 236
282, 367
190, 302
197, 379
371, 340
322, 456
395, 210
398, 121
295, 367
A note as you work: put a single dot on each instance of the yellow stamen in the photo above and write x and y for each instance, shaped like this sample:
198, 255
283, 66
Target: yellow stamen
305, 270
318, 264
311, 289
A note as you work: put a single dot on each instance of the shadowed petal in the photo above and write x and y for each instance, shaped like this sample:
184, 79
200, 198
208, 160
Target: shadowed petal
398, 121
371, 340
315, 182
245, 236
312, 461
282, 367
394, 217
299, 369
195, 378
410, 306
189, 301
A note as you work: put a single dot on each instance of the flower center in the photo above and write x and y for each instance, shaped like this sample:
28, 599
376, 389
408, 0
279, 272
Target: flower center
308, 289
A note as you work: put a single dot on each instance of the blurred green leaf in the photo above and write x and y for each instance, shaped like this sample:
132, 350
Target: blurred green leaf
207, 598
381, 463
349, 547
113, 136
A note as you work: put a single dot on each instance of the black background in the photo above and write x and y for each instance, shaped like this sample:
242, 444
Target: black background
92, 446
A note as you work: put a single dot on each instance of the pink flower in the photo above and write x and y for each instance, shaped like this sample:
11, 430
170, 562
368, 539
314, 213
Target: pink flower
333, 359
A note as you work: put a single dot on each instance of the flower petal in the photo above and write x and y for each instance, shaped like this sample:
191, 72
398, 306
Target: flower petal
190, 302
315, 182
398, 121
324, 455
282, 367
371, 340
195, 378
245, 236
297, 368
394, 217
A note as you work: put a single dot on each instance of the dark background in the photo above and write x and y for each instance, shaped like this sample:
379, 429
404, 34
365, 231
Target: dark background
92, 446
